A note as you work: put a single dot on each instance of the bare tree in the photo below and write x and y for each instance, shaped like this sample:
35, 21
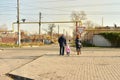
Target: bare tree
78, 16
89, 24
51, 29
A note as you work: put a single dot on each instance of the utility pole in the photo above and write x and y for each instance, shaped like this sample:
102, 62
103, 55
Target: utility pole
39, 23
58, 30
18, 22
64, 31
76, 27
102, 21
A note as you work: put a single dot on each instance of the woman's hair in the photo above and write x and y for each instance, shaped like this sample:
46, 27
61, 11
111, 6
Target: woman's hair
78, 36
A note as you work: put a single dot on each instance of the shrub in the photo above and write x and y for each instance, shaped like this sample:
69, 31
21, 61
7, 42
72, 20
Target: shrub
114, 38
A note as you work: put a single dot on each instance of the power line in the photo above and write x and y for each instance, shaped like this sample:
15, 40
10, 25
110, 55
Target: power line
43, 8
87, 5
54, 1
7, 3
6, 6
63, 9
7, 14
91, 5
29, 6
7, 10
88, 13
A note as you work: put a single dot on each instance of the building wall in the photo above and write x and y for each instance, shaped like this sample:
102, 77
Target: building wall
99, 40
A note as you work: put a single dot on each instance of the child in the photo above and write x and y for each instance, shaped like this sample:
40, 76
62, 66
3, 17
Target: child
68, 49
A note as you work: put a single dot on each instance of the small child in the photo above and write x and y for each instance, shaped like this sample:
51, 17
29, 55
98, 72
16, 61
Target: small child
68, 49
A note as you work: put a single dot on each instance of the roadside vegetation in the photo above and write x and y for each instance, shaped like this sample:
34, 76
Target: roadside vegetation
114, 38
8, 45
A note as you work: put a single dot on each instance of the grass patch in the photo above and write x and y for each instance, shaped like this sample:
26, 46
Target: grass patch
8, 45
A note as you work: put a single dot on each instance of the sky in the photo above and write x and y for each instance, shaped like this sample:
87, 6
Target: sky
58, 10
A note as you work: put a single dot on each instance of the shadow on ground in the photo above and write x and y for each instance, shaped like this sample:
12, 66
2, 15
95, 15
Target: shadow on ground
74, 55
16, 77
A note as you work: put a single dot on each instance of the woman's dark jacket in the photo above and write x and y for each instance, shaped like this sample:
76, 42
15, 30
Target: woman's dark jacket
78, 43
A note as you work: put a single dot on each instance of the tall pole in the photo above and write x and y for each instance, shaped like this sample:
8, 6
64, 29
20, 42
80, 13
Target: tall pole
39, 23
18, 22
76, 27
64, 31
58, 30
102, 21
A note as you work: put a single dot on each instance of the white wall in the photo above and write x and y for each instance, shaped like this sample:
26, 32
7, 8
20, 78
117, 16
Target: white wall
99, 40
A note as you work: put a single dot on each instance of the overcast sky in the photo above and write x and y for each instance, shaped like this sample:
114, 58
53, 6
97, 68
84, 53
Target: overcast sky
58, 10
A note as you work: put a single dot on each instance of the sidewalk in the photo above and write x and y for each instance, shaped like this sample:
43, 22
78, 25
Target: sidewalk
90, 65
14, 58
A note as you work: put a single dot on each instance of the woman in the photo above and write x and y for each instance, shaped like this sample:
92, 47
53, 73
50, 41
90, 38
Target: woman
78, 44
